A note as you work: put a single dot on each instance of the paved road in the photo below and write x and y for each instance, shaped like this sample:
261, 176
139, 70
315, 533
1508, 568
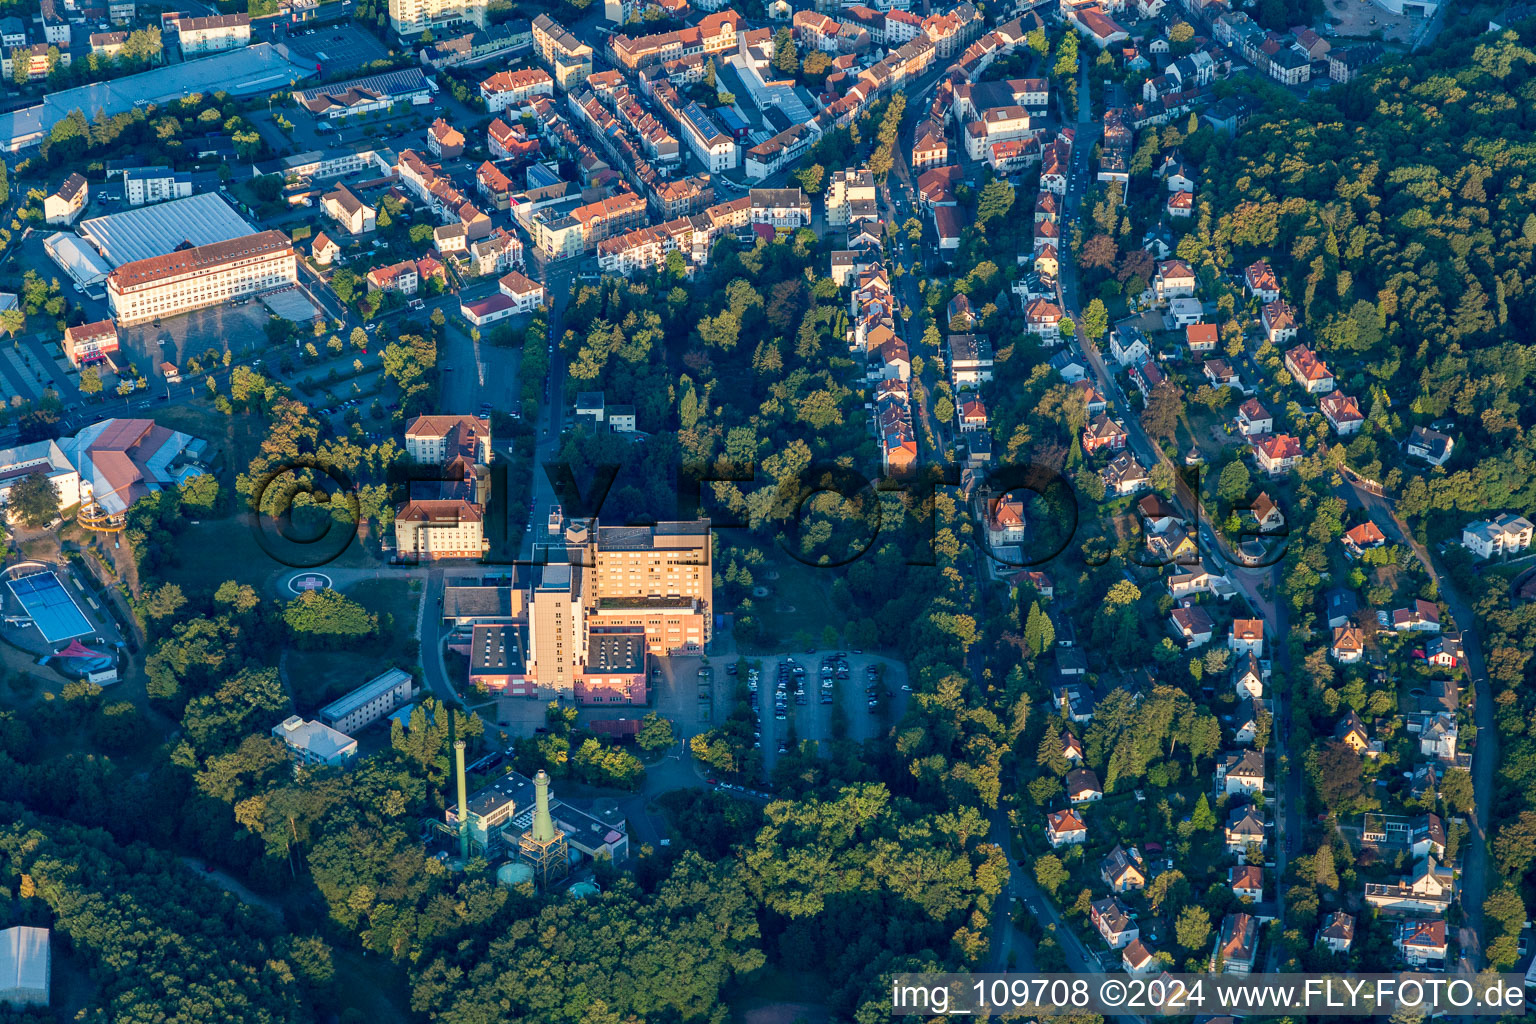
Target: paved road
1259, 586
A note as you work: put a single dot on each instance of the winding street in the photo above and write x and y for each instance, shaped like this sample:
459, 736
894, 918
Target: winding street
1259, 585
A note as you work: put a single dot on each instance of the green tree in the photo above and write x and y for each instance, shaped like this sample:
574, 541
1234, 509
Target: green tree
994, 203
785, 57
655, 733
1235, 480
90, 381
1202, 819
35, 500
320, 617
1193, 928
1050, 873
1095, 320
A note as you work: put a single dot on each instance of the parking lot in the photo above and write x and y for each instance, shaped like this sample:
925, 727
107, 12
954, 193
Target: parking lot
338, 49
238, 329
677, 689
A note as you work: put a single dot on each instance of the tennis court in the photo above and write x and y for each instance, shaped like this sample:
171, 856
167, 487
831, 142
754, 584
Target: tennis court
52, 610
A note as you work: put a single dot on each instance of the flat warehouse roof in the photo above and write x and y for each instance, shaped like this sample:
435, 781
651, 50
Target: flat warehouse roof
157, 230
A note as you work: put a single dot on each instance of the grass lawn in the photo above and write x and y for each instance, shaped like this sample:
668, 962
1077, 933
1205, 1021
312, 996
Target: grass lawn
237, 437
801, 601
214, 550
773, 996
318, 677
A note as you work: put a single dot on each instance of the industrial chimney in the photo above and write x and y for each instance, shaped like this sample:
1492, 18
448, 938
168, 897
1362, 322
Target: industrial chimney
458, 773
543, 826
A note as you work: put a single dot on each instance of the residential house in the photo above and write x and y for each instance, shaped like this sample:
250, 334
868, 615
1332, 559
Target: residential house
1260, 281
1044, 318
1184, 312
1113, 921
1092, 401
1174, 279
445, 141
1071, 748
324, 249
1247, 637
1073, 700
1265, 514
1192, 625
1438, 735
1065, 828
1244, 828
971, 415
1201, 338
1342, 412
1181, 204
1277, 453
1422, 617
1428, 889
1338, 932
1240, 773
1138, 960
64, 204
1430, 445
1123, 870
403, 278
1221, 375
1125, 476
970, 360
1352, 733
1103, 433
1422, 943
1505, 534
1427, 837
1129, 345
1238, 947
1248, 678
350, 213
1305, 367
1253, 420
1444, 651
1083, 786
1348, 645
1247, 881
1358, 539
1072, 369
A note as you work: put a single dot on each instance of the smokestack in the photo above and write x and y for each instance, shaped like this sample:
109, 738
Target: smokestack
458, 773
543, 826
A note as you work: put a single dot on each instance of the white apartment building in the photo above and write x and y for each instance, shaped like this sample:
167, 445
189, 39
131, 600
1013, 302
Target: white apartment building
413, 17
845, 189
998, 124
156, 187
515, 88
715, 149
213, 34
204, 275
369, 702
1494, 538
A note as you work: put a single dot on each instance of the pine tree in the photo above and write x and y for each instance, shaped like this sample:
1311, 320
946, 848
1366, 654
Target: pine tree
1033, 633
1202, 818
